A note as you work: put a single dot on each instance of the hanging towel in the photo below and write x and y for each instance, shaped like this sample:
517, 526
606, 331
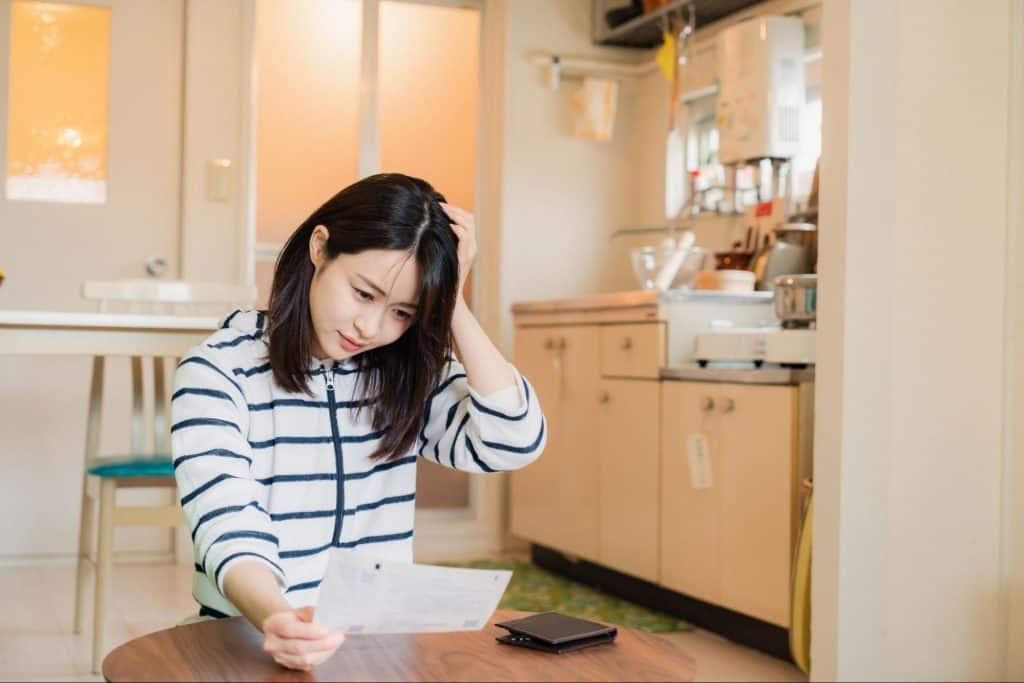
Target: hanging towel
595, 103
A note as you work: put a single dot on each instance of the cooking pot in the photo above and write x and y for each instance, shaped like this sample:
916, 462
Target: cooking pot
796, 300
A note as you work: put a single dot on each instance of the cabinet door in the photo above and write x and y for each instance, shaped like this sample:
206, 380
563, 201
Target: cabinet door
554, 501
759, 435
627, 424
691, 494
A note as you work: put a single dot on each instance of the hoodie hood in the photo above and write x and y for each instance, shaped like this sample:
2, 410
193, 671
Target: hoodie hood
247, 322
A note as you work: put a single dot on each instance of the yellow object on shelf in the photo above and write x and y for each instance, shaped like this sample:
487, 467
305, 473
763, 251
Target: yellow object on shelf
800, 618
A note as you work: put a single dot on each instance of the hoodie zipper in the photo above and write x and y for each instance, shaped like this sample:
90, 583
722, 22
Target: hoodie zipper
339, 466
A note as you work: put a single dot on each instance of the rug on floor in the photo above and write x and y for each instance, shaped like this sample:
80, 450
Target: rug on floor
533, 589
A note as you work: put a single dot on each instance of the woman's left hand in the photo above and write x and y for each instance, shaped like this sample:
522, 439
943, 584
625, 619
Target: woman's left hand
465, 231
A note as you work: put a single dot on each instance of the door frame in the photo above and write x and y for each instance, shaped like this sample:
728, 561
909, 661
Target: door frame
1013, 417
478, 528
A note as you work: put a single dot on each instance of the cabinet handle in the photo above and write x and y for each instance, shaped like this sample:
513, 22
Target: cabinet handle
549, 343
708, 404
627, 344
562, 344
604, 397
729, 406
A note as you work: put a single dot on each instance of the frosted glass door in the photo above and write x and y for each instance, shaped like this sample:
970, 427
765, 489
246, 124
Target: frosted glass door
428, 85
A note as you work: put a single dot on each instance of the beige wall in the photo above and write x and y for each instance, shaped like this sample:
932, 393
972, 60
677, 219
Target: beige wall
562, 197
213, 232
909, 446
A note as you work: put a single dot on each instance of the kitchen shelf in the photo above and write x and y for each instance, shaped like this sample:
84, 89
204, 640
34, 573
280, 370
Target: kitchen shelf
644, 31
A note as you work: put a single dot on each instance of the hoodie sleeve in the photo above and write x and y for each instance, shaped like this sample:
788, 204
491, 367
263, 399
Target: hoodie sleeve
213, 468
466, 431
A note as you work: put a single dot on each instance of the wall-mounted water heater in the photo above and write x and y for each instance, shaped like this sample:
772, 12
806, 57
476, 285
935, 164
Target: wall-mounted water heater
761, 89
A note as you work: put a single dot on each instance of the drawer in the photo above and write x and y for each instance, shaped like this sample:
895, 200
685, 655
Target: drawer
632, 350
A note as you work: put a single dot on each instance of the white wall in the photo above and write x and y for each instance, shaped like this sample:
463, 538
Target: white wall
909, 445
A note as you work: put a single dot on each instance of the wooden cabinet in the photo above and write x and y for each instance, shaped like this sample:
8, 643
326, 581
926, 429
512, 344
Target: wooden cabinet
627, 424
555, 500
758, 471
690, 516
634, 350
616, 485
726, 513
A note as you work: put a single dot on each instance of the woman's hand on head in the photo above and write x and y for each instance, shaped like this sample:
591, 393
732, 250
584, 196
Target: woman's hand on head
464, 228
295, 642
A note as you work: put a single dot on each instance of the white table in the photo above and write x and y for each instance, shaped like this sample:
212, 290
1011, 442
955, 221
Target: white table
100, 334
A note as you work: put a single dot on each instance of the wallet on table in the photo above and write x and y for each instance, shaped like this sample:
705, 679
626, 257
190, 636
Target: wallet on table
554, 632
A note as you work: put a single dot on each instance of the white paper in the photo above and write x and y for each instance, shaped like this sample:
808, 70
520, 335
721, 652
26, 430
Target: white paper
364, 594
699, 456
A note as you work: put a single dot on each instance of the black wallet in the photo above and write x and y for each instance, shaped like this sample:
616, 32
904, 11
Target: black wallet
554, 632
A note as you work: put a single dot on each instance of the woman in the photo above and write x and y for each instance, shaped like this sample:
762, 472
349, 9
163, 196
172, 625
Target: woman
298, 429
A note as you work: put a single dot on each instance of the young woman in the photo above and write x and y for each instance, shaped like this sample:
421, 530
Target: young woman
298, 429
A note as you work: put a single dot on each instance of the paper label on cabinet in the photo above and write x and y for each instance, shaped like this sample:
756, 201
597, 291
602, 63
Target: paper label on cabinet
699, 455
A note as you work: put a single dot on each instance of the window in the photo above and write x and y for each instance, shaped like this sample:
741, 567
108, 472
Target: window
57, 103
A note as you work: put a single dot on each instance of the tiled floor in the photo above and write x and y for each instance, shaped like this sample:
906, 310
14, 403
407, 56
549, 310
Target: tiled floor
36, 642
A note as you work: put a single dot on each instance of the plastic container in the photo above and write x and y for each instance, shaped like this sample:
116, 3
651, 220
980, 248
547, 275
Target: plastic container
725, 280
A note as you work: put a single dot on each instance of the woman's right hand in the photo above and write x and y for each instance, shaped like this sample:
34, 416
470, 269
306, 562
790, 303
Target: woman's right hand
295, 642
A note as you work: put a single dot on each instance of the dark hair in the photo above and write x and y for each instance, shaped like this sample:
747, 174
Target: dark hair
385, 211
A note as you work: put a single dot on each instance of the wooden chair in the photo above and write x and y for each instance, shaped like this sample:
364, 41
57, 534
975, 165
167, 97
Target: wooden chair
141, 466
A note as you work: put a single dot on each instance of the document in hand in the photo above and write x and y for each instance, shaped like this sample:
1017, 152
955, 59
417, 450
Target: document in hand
363, 594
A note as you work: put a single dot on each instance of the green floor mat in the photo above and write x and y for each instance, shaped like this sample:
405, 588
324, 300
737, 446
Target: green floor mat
533, 589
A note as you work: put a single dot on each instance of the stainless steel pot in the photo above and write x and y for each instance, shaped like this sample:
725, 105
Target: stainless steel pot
796, 300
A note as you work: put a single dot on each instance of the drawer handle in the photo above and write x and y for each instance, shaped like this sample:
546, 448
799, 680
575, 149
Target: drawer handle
627, 344
729, 406
708, 404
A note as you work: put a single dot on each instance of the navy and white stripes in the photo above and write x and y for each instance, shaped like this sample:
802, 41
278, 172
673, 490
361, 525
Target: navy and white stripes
257, 471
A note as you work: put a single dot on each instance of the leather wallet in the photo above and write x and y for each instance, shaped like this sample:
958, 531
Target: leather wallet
554, 632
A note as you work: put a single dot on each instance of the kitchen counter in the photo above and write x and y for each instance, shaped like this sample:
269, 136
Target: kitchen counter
664, 324
738, 375
633, 299
593, 302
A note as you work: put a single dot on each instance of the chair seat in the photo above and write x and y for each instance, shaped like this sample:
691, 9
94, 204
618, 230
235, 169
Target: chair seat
139, 465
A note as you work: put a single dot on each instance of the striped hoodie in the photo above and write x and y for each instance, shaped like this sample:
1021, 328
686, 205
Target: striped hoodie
283, 477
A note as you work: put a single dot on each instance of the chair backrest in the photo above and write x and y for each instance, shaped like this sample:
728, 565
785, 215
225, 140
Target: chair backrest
158, 293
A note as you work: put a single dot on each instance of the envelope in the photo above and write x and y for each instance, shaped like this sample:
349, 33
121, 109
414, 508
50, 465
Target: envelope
361, 593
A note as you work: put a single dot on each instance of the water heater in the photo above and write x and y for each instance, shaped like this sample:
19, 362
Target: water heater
761, 89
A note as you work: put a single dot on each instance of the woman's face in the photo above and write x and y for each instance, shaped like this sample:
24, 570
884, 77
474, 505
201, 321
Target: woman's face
359, 301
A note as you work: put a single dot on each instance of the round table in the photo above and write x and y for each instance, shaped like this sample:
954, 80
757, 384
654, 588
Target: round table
231, 650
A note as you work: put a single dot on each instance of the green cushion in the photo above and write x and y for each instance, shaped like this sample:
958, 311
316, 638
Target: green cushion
132, 466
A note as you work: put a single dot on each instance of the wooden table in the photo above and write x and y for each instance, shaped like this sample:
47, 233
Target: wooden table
231, 650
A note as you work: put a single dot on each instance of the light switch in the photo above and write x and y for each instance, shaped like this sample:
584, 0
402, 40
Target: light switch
219, 177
